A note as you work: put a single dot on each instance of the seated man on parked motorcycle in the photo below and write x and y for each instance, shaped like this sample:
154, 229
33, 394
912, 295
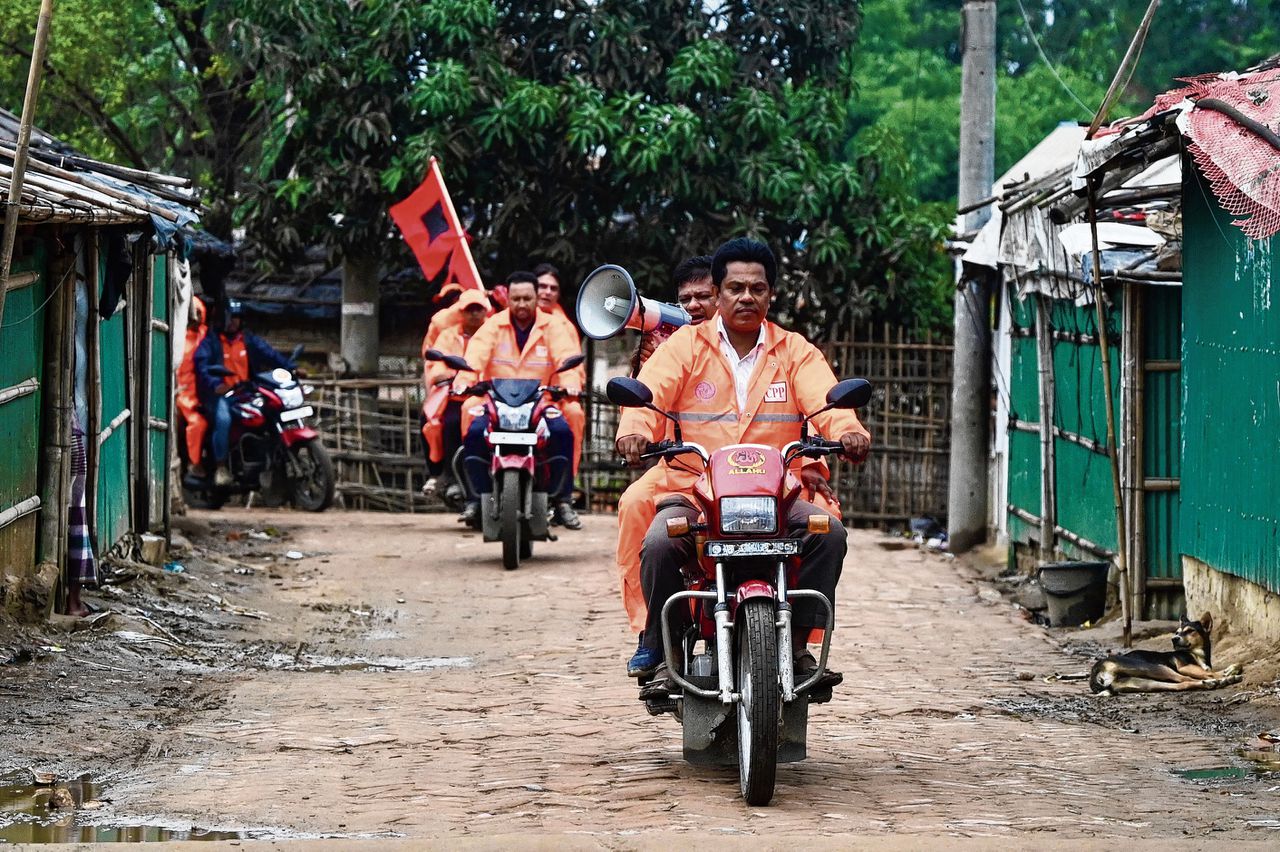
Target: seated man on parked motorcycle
637, 505
521, 342
242, 353
739, 379
441, 418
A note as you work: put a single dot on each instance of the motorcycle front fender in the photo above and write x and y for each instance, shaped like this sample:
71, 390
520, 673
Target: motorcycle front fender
513, 461
299, 435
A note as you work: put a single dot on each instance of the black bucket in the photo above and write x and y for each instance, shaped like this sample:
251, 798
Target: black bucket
1076, 591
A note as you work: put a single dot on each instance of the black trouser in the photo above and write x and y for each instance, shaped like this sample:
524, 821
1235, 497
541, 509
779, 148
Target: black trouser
451, 439
821, 554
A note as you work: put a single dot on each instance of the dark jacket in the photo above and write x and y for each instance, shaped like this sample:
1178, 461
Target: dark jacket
256, 354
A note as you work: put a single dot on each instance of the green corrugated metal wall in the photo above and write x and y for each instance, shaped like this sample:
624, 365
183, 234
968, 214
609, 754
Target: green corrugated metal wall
157, 439
1085, 503
21, 359
1231, 365
1024, 405
1162, 427
114, 496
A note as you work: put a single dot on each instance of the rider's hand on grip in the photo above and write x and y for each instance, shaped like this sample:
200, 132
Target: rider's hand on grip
631, 447
856, 445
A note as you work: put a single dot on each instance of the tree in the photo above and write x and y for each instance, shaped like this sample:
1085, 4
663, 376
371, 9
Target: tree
151, 84
584, 132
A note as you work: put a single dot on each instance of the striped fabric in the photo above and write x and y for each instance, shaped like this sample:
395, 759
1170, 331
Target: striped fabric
81, 564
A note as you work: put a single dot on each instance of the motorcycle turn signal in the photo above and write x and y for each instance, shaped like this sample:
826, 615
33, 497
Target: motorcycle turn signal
820, 523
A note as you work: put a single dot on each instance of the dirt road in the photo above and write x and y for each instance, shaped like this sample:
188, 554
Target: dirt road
496, 705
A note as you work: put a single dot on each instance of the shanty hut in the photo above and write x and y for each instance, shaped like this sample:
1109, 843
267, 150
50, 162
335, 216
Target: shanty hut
86, 356
1185, 206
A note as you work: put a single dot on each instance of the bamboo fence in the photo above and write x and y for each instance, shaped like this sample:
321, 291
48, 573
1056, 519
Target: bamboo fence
371, 426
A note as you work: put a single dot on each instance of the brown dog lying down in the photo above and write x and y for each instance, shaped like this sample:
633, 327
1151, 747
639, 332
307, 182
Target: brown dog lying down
1187, 666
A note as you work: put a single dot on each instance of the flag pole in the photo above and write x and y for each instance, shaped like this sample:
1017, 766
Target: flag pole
23, 148
434, 168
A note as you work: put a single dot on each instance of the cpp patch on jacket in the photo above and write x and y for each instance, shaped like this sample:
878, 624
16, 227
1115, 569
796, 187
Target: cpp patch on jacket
777, 392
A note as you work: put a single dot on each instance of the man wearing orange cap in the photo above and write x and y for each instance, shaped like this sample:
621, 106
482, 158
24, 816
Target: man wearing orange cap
738, 379
549, 301
441, 419
446, 316
188, 398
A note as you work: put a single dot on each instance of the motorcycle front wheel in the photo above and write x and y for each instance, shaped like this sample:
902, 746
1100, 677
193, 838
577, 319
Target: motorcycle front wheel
511, 501
312, 483
760, 707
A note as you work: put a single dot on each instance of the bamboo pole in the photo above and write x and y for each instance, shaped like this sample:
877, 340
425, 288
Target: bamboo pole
1122, 566
1048, 457
24, 146
56, 436
1124, 72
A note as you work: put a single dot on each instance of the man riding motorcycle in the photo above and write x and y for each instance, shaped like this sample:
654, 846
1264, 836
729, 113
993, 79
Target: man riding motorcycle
442, 411
738, 379
242, 353
521, 342
636, 508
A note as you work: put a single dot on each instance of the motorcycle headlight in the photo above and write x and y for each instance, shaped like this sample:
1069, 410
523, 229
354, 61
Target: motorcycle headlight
514, 418
748, 515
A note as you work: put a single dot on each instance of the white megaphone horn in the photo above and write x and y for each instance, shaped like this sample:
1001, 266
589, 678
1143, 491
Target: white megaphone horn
608, 303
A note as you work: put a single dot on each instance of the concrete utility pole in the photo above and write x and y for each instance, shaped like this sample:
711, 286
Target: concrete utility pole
360, 313
971, 377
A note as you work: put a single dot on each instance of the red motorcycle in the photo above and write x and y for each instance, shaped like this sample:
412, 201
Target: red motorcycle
273, 450
517, 510
739, 702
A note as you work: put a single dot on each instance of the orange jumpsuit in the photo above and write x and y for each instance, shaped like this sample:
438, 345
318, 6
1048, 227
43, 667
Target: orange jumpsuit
574, 414
450, 342
690, 378
188, 400
493, 351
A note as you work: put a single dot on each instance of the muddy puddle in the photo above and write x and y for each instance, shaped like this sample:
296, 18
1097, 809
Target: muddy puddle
324, 663
76, 812
1253, 764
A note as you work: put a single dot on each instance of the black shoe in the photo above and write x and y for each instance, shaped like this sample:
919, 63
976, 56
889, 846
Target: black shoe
660, 686
470, 515
565, 516
806, 665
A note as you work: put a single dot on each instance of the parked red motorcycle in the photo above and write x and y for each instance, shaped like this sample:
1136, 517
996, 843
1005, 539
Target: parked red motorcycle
273, 451
739, 702
516, 511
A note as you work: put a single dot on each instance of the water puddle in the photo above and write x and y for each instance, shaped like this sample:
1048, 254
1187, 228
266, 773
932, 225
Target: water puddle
1258, 765
322, 663
66, 812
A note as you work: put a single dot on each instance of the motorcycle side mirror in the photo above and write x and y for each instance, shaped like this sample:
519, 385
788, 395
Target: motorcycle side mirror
849, 393
628, 393
433, 355
571, 362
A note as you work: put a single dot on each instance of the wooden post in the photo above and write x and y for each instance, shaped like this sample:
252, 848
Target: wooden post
1048, 462
58, 403
34, 74
1132, 387
1122, 564
885, 428
93, 381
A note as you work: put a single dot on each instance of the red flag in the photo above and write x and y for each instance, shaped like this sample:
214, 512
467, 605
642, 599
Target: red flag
430, 226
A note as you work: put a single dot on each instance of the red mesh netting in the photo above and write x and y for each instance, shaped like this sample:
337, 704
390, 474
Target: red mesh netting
1242, 167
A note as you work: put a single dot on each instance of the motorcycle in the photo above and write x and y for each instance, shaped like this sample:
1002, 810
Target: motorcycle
516, 511
738, 701
273, 451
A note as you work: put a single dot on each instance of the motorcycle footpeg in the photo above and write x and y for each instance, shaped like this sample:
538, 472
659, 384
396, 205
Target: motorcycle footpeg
820, 695
658, 706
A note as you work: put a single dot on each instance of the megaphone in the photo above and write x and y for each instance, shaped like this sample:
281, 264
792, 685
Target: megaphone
608, 303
